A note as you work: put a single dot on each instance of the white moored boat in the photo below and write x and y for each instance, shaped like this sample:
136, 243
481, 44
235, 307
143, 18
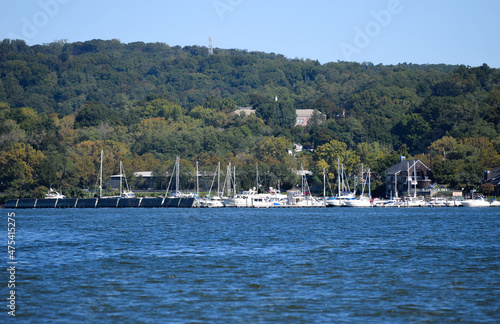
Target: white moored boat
52, 194
212, 202
413, 202
299, 199
340, 200
361, 201
476, 202
437, 202
454, 202
243, 199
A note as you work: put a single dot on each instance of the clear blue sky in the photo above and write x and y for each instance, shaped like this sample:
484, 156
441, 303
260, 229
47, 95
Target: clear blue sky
377, 31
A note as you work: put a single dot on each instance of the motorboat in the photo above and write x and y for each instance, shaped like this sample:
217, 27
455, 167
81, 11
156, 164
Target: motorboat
476, 202
377, 202
437, 202
52, 194
299, 199
212, 202
392, 203
243, 199
454, 203
413, 202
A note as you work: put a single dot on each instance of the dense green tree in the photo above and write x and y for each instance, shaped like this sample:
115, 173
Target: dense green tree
275, 112
413, 131
470, 177
93, 114
47, 175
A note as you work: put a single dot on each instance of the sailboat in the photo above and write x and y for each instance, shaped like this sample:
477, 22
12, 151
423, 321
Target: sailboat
124, 193
344, 192
213, 201
410, 201
176, 198
363, 200
303, 198
231, 182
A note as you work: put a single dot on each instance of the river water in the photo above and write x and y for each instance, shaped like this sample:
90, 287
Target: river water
318, 265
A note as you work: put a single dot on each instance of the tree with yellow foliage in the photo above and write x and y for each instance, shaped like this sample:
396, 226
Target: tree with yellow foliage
327, 156
18, 168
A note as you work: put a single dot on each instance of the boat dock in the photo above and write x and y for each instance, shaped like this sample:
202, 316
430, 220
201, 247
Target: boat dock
182, 202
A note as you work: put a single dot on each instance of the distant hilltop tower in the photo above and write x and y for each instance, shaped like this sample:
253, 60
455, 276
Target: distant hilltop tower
210, 46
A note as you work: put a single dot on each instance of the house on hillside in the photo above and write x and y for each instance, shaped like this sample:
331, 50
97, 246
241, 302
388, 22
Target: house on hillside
305, 115
244, 110
493, 177
403, 176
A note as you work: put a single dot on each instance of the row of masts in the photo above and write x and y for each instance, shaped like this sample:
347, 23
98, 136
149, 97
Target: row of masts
123, 193
229, 184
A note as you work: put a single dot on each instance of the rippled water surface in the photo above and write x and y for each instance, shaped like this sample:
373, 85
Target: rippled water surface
258, 266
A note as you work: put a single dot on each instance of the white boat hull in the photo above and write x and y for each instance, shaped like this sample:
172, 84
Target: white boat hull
358, 203
475, 203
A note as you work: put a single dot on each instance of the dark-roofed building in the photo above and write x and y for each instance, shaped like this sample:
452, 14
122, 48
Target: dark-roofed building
493, 177
145, 176
404, 175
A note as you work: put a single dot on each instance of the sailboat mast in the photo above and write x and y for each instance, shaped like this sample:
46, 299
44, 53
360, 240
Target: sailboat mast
229, 181
234, 181
369, 189
177, 175
218, 179
338, 175
396, 183
324, 185
257, 176
414, 180
302, 178
408, 177
362, 180
121, 178
197, 182
100, 178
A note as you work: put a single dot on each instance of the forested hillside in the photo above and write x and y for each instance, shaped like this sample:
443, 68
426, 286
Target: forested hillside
143, 104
